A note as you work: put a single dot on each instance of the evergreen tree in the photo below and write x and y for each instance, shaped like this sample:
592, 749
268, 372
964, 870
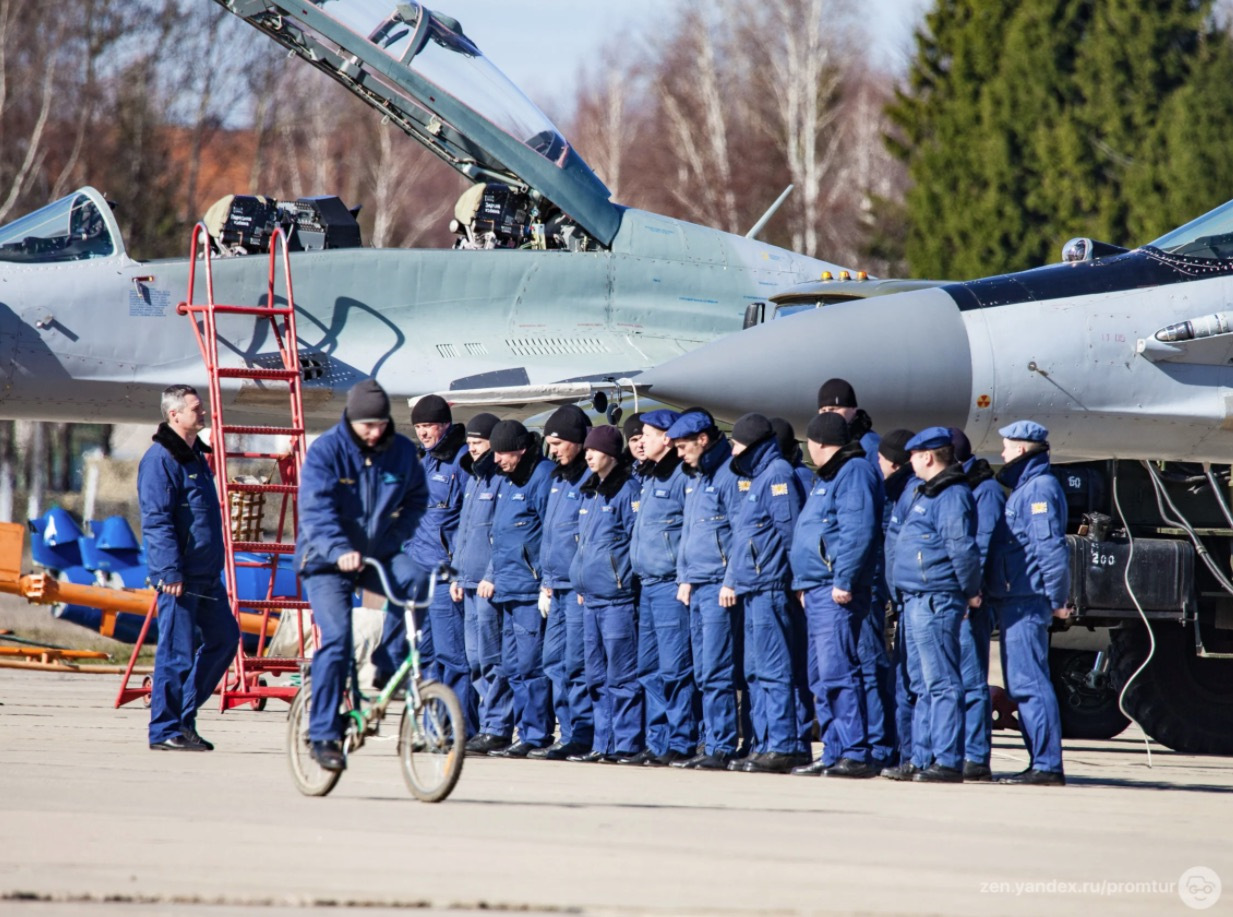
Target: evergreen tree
1026, 122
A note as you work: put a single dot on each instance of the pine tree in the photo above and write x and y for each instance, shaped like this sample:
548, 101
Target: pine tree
1027, 122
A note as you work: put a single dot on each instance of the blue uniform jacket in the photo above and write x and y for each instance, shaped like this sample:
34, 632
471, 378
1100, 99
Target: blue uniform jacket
935, 547
660, 519
710, 494
473, 544
894, 487
1027, 554
601, 572
990, 503
862, 429
560, 542
839, 531
433, 541
518, 529
353, 498
181, 523
768, 500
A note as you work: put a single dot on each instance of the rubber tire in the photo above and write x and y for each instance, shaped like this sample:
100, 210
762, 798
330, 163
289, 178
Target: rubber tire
1087, 713
147, 683
309, 777
1183, 702
439, 698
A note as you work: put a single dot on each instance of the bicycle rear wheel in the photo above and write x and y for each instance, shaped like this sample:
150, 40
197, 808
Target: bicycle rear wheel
430, 742
310, 778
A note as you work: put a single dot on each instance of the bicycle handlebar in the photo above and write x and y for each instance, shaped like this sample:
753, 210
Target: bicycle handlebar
438, 572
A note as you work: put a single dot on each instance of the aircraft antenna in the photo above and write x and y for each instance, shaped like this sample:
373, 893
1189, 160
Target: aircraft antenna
770, 212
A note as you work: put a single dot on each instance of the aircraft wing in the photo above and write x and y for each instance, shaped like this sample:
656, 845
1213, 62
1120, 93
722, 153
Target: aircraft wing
421, 71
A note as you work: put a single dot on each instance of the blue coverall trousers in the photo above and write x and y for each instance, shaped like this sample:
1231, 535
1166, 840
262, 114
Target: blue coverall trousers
666, 670
612, 677
482, 635
197, 639
974, 640
718, 636
332, 597
522, 659
835, 632
565, 666
775, 663
934, 621
1024, 627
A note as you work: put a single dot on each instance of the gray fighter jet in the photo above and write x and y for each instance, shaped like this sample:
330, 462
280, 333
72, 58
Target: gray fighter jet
552, 293
1122, 355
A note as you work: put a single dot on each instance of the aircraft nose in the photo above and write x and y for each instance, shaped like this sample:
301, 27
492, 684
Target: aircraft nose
906, 355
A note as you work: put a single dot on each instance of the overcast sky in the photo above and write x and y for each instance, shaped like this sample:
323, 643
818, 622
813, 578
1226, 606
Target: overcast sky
541, 44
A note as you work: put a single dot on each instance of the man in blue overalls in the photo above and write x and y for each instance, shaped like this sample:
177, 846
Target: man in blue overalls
604, 581
183, 531
977, 629
834, 562
564, 650
512, 581
362, 493
665, 659
717, 632
472, 552
769, 500
443, 445
935, 564
1027, 581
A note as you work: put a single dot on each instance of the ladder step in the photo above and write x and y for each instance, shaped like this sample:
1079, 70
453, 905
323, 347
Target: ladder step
263, 488
264, 547
249, 430
253, 372
225, 309
275, 604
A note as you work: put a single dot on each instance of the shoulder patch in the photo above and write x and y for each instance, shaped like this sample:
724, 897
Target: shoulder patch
743, 486
779, 490
635, 504
1038, 508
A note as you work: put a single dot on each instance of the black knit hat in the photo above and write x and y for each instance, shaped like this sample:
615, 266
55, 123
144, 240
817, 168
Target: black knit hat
367, 402
481, 425
607, 440
632, 426
431, 409
963, 445
785, 435
569, 423
836, 393
829, 429
892, 448
751, 429
509, 436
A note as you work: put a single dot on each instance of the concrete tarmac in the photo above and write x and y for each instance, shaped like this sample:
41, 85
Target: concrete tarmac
92, 822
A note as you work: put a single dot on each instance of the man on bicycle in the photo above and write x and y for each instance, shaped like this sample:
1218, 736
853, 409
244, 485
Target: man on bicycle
362, 493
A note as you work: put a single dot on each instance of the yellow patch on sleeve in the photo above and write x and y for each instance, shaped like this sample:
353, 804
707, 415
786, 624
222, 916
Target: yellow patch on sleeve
743, 486
635, 504
1038, 508
779, 490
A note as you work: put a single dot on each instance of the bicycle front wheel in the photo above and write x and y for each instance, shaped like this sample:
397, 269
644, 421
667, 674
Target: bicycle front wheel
431, 742
310, 778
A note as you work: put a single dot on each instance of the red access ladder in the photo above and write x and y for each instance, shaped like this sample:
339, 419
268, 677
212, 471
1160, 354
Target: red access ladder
243, 683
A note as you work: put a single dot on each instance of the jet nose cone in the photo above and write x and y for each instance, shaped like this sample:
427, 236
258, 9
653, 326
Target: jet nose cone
906, 355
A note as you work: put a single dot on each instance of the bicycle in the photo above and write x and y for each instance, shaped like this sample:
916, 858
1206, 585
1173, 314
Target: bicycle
431, 735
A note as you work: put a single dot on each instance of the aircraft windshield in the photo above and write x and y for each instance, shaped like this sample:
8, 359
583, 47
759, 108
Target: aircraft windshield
71, 229
1210, 236
441, 54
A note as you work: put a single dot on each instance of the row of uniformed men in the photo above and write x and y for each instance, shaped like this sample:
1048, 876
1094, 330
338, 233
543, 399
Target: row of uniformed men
650, 600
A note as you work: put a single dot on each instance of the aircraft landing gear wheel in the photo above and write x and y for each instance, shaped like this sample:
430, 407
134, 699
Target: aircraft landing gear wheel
1087, 712
431, 741
310, 778
147, 685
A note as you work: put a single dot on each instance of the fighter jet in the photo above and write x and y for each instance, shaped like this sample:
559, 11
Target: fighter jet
552, 292
1122, 355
